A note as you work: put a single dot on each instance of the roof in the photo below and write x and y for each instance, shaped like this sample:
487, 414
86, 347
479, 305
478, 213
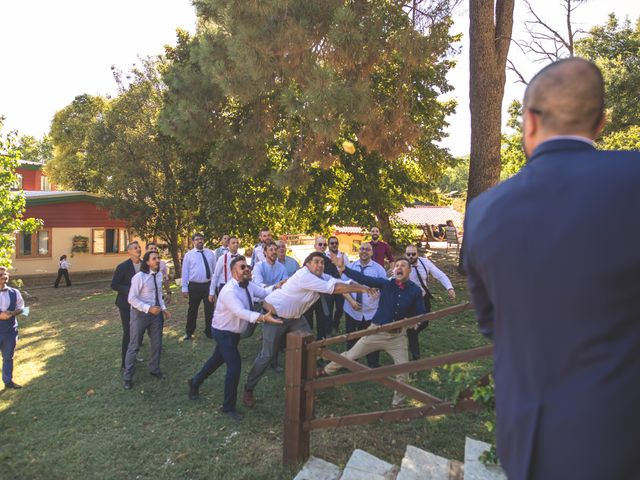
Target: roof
45, 197
29, 165
348, 230
430, 215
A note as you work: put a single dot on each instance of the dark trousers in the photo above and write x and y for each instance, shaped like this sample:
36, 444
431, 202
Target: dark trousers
125, 318
226, 351
62, 272
323, 318
140, 322
353, 325
338, 311
8, 346
199, 292
414, 335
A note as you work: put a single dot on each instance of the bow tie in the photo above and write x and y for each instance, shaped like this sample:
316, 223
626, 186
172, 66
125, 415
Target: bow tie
400, 284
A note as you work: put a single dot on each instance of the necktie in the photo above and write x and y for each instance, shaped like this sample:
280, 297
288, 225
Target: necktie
206, 264
400, 284
359, 294
155, 286
249, 299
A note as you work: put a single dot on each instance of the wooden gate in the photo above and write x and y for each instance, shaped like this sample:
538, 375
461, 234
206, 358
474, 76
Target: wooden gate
301, 383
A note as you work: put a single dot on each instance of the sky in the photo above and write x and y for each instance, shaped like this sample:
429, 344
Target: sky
56, 50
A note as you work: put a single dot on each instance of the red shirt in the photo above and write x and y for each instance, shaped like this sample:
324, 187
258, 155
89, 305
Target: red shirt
381, 250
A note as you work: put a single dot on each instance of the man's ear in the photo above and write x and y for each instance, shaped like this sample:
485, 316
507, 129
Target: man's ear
600, 126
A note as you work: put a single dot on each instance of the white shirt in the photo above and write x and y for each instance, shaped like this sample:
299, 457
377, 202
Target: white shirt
299, 292
222, 273
5, 301
142, 294
233, 311
369, 304
220, 251
340, 254
64, 264
193, 269
424, 267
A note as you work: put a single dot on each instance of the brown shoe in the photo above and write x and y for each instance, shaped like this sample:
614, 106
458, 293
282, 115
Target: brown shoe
248, 399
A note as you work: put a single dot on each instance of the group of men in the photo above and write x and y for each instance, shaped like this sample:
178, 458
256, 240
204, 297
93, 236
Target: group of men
273, 290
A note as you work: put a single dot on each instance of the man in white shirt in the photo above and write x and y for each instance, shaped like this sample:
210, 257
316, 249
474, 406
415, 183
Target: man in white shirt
420, 269
270, 271
289, 304
164, 270
11, 305
147, 312
258, 251
197, 271
222, 273
223, 248
361, 307
233, 315
334, 248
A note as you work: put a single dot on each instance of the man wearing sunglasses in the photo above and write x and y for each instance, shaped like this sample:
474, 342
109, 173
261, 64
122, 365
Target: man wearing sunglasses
420, 269
233, 315
338, 299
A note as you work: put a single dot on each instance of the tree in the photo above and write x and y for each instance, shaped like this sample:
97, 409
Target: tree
615, 48
490, 26
12, 202
275, 88
35, 150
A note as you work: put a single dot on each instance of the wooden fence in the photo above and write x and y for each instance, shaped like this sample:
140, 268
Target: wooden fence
301, 383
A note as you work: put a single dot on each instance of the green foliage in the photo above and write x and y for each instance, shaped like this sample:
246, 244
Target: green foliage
512, 154
627, 139
12, 203
615, 48
35, 150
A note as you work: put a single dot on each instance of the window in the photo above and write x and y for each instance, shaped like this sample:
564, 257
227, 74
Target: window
44, 183
34, 244
17, 185
109, 240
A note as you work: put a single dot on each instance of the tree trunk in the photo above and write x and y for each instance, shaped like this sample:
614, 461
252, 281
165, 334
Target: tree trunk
386, 232
489, 36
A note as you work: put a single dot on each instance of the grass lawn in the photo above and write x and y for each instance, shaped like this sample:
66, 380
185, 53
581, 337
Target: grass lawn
74, 420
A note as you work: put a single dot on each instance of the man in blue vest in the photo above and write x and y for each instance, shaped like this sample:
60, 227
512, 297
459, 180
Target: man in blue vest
11, 305
562, 308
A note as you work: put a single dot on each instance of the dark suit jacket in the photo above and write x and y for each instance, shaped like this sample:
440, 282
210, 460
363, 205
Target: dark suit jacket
562, 304
121, 282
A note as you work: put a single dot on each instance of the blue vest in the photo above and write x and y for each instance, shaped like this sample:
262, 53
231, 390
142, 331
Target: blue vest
11, 325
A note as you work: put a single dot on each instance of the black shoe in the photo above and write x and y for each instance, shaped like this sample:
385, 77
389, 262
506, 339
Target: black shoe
158, 375
194, 394
187, 337
128, 385
12, 385
232, 414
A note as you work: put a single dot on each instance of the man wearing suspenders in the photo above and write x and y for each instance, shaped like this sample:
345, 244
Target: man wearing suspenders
222, 272
11, 305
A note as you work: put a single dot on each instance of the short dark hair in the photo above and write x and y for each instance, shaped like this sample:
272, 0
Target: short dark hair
151, 243
232, 236
265, 229
144, 266
239, 258
196, 235
312, 255
332, 236
62, 257
402, 259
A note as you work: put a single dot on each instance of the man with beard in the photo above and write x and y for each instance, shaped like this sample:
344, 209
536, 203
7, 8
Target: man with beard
197, 270
232, 316
338, 300
258, 251
381, 249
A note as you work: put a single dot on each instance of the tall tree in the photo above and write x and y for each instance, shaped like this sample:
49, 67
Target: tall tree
12, 201
34, 149
282, 84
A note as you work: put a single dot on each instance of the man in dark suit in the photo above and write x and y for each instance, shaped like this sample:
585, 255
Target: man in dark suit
563, 308
121, 283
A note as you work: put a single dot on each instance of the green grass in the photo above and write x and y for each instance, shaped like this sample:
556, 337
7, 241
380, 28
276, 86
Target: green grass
74, 420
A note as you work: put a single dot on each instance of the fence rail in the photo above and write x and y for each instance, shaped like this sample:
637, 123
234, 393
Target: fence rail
301, 383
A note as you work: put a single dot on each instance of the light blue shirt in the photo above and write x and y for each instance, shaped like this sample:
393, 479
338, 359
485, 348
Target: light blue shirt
265, 274
290, 264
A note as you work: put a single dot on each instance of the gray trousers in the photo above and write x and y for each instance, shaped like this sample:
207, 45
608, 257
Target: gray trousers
140, 322
272, 337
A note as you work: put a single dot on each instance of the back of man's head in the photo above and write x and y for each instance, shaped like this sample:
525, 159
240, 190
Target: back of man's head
567, 97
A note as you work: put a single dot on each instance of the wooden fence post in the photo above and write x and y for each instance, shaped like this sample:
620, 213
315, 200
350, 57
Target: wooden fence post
296, 440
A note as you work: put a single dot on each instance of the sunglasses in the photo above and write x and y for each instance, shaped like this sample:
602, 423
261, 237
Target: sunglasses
411, 254
322, 244
333, 243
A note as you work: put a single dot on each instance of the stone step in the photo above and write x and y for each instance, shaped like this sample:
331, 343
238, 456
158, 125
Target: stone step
419, 464
318, 469
474, 469
364, 466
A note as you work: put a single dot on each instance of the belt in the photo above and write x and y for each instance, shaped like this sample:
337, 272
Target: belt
200, 283
267, 307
